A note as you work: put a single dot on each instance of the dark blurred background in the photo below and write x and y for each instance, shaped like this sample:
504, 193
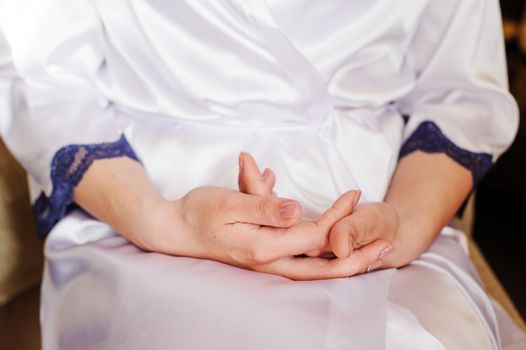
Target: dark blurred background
500, 209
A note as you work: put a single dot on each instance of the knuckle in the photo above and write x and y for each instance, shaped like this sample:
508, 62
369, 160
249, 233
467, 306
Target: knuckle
266, 209
261, 208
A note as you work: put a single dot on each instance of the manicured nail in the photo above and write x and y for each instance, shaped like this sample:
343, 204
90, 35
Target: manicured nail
375, 266
386, 252
288, 210
265, 174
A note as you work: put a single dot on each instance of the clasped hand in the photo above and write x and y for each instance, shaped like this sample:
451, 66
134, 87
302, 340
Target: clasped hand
254, 229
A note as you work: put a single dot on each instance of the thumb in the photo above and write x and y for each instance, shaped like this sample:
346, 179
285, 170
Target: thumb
250, 180
267, 211
341, 208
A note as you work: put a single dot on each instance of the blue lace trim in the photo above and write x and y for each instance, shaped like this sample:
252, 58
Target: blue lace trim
429, 138
68, 167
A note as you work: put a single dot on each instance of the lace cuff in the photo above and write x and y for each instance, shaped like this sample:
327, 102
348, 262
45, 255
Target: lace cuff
68, 167
429, 138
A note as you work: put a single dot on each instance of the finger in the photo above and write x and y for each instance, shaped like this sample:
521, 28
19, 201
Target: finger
339, 240
250, 179
304, 238
269, 178
367, 223
249, 175
342, 207
262, 210
275, 243
317, 268
347, 232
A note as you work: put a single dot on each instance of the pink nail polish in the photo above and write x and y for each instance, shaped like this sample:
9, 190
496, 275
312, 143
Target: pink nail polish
375, 266
288, 210
386, 252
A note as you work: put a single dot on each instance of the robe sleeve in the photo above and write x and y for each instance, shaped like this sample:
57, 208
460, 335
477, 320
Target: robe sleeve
460, 104
58, 120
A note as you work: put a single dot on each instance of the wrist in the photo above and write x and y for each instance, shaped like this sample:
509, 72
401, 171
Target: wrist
161, 228
411, 240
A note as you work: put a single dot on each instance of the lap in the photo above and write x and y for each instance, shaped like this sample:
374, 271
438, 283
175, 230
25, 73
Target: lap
100, 291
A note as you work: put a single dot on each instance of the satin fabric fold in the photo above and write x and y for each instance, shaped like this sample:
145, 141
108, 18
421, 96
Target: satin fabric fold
256, 62
105, 293
102, 292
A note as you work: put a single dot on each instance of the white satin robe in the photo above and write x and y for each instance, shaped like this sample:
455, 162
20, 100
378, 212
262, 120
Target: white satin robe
315, 90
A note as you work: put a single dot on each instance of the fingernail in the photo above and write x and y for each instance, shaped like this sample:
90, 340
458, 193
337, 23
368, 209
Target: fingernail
386, 252
288, 210
265, 174
375, 266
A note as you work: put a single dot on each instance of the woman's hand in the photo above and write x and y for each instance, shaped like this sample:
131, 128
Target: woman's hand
218, 223
366, 231
240, 229
369, 222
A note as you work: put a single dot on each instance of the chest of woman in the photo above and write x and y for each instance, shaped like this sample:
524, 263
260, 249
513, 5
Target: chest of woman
200, 59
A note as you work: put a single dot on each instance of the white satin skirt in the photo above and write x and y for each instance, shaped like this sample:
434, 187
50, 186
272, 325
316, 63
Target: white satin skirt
101, 292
